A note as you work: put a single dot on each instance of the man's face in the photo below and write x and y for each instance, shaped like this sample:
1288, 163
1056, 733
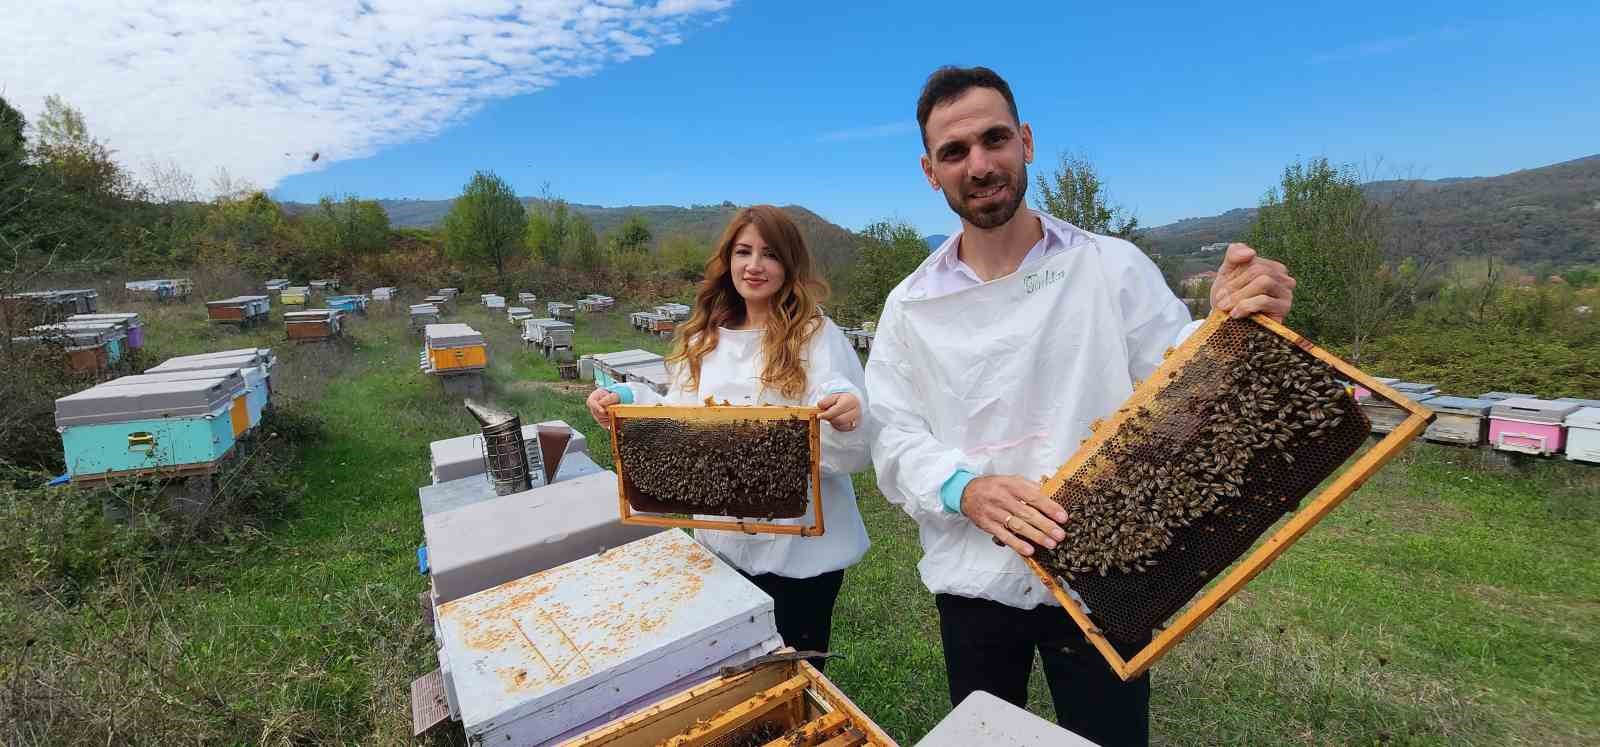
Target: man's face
978, 156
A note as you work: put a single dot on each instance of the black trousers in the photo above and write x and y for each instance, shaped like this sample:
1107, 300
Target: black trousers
803, 608
989, 646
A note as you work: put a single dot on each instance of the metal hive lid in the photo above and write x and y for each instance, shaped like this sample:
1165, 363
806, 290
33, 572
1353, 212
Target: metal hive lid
1411, 387
626, 358
202, 364
309, 315
1535, 410
232, 379
527, 646
1588, 417
1499, 396
453, 335
128, 318
168, 399
1583, 402
1460, 405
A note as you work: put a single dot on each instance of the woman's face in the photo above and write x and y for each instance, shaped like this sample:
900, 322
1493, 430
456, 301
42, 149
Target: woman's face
757, 273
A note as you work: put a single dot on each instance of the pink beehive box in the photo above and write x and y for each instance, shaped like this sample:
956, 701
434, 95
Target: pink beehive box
1529, 426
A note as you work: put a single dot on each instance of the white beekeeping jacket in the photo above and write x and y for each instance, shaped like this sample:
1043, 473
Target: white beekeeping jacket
1004, 378
732, 372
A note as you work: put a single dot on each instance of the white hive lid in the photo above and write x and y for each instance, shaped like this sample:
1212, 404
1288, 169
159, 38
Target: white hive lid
1535, 410
574, 642
983, 719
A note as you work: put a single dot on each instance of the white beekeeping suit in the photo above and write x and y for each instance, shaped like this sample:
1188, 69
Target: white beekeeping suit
732, 372
1004, 378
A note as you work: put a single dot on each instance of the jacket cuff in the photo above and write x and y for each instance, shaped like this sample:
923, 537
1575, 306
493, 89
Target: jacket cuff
623, 391
950, 492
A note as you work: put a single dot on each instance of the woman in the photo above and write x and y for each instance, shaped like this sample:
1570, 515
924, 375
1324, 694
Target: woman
757, 336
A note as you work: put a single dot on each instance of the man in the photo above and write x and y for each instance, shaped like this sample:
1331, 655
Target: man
989, 364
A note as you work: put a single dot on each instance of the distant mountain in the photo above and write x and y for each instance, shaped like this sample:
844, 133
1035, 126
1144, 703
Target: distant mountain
1546, 214
935, 240
834, 246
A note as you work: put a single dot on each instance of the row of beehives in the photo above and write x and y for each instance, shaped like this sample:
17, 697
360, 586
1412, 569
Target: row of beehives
861, 337
90, 344
452, 349
1505, 421
627, 366
181, 417
432, 308
558, 624
281, 285
42, 307
164, 289
661, 320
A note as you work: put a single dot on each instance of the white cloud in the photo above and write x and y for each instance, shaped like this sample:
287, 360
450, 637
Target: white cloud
257, 87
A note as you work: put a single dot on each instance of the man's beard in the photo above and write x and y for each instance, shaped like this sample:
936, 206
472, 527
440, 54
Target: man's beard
994, 215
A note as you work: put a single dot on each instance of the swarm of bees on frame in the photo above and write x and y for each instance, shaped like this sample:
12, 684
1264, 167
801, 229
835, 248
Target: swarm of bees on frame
1149, 481
744, 468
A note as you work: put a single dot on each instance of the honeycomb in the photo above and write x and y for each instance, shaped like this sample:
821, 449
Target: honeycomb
1231, 442
740, 468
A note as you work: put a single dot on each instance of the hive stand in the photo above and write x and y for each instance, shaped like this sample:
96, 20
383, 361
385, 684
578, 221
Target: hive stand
1265, 552
462, 385
627, 496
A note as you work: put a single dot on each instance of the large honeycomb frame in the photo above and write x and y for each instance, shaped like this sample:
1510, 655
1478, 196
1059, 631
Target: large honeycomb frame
629, 499
1256, 558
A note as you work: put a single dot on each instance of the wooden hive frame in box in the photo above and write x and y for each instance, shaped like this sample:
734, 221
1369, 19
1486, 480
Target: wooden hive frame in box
1263, 553
628, 496
792, 700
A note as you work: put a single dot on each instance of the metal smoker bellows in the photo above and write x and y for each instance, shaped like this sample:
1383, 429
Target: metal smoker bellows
505, 454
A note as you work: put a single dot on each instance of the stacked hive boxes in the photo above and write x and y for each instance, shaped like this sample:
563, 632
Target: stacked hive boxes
108, 336
612, 368
129, 322
240, 310
450, 349
276, 285
424, 314
254, 364
295, 295
83, 353
1529, 426
187, 425
313, 325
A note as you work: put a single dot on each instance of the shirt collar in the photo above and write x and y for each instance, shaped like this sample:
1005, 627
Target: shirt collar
1058, 234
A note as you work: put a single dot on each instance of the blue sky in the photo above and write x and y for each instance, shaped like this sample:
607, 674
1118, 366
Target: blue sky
1187, 111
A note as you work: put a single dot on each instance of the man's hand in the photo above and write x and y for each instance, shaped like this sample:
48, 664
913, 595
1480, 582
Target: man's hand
1249, 284
842, 411
1011, 509
599, 402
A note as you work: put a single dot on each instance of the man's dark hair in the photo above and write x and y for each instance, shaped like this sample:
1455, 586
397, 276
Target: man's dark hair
948, 83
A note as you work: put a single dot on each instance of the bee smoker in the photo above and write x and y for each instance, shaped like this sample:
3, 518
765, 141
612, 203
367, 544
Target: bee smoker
505, 454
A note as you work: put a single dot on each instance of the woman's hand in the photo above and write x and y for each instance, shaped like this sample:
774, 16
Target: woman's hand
600, 402
842, 411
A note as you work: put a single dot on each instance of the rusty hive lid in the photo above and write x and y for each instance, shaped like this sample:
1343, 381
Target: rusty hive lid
557, 649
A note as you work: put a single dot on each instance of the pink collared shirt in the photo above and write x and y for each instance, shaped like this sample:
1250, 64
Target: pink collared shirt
948, 274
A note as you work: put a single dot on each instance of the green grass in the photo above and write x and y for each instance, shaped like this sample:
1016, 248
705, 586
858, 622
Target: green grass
1448, 602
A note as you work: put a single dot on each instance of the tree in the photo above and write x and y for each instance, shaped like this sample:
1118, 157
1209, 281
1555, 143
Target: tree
1334, 240
486, 222
634, 235
549, 229
1075, 194
889, 251
12, 124
84, 164
584, 243
684, 256
348, 229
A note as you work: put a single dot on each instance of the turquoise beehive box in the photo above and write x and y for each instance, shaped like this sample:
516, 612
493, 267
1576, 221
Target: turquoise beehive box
113, 430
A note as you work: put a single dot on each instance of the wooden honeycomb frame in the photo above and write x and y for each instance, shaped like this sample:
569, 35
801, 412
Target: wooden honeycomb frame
1265, 552
793, 693
719, 414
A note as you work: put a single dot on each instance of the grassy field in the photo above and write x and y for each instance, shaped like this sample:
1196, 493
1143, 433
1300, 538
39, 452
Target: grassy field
1450, 601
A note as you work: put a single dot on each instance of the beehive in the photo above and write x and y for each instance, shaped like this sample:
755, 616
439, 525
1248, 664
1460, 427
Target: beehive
295, 295
234, 378
785, 703
653, 375
1529, 426
453, 348
611, 368
255, 365
129, 322
1462, 421
276, 285
686, 466
154, 428
311, 326
238, 309
82, 353
1231, 432
533, 659
1583, 435
113, 338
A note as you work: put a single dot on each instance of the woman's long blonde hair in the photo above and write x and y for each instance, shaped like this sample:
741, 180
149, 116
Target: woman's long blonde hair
796, 314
